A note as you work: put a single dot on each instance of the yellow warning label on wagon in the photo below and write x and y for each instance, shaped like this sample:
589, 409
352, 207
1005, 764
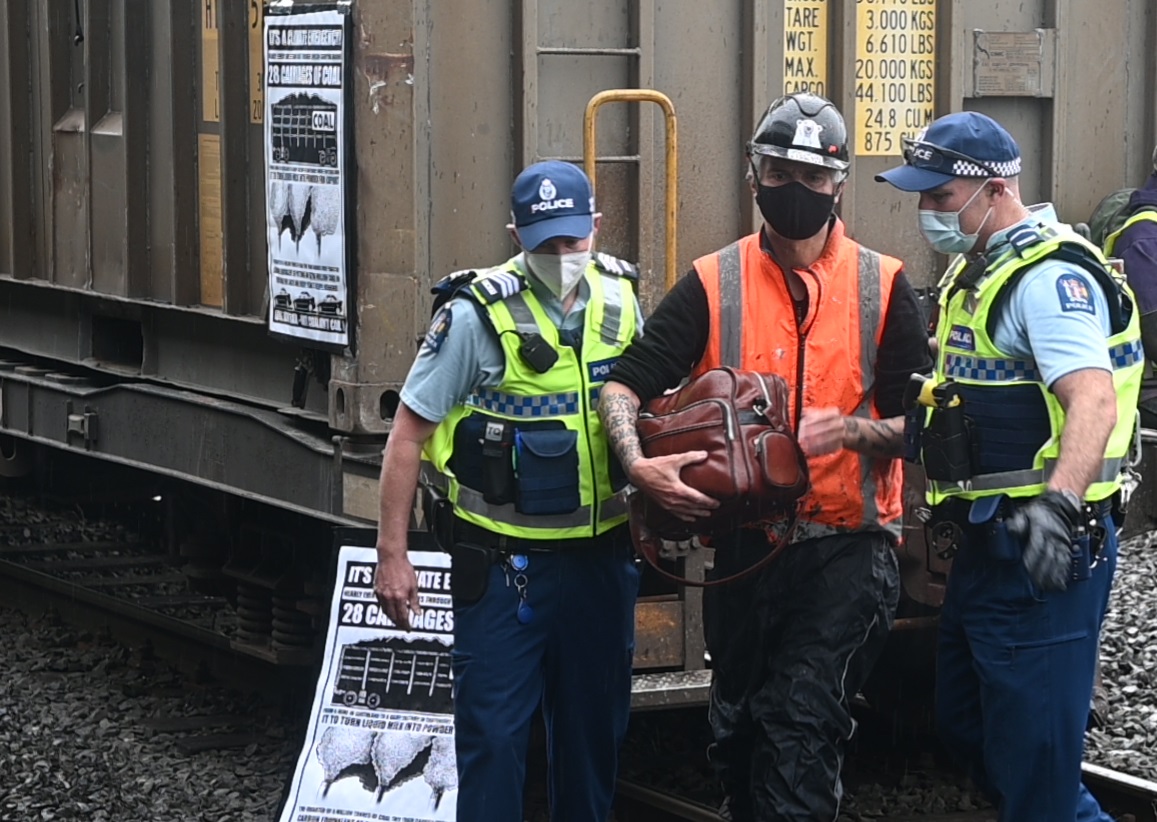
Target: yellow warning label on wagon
210, 63
805, 46
256, 62
895, 72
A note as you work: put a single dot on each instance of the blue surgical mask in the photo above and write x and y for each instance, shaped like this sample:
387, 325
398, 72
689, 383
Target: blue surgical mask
942, 228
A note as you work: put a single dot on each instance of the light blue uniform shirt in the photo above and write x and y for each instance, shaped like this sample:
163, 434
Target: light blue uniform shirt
469, 356
1056, 313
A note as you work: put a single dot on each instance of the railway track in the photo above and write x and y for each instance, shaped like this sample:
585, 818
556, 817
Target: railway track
104, 572
232, 619
1127, 798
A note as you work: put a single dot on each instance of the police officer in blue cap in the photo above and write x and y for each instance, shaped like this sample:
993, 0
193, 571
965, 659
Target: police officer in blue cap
1023, 430
498, 417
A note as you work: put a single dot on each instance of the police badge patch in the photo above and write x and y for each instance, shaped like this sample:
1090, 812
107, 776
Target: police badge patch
1074, 294
439, 328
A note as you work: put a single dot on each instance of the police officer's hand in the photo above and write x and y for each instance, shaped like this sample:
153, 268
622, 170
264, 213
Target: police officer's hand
1047, 526
396, 587
659, 478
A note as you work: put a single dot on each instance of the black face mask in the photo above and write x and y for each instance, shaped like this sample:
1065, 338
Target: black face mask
793, 210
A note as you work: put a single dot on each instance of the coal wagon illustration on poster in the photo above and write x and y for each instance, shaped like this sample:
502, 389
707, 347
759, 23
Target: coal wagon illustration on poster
391, 674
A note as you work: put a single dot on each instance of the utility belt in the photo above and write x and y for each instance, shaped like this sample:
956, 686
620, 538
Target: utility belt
475, 550
966, 525
504, 545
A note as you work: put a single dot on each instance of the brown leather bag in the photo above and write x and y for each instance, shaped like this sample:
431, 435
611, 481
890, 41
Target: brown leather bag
754, 467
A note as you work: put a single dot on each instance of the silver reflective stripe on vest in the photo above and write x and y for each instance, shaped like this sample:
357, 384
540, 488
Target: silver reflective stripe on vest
473, 502
870, 302
523, 317
730, 307
1007, 480
612, 310
615, 507
430, 477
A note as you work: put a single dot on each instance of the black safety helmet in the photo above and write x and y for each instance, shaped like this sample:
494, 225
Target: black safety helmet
805, 128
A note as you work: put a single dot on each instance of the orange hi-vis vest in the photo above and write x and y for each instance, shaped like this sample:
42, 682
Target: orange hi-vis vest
828, 361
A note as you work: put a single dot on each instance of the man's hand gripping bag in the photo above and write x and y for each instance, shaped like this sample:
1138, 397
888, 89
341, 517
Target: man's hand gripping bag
754, 467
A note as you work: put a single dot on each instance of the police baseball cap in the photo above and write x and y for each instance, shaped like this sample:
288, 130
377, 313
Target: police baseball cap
551, 199
964, 144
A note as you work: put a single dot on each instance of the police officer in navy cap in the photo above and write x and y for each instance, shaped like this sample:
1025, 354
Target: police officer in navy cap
1024, 432
498, 418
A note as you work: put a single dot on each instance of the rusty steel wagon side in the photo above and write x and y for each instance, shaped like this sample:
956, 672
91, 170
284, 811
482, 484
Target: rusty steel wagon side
134, 287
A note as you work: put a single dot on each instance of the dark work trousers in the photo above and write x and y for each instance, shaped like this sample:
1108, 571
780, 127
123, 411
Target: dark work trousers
1014, 676
789, 649
573, 657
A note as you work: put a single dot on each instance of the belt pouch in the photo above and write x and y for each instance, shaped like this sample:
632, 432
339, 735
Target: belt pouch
498, 462
947, 455
439, 513
913, 428
1001, 544
470, 566
548, 471
1082, 559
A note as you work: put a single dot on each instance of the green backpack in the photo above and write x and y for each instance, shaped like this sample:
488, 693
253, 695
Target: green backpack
1110, 214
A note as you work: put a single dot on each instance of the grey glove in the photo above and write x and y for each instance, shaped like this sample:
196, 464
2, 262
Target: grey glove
1047, 526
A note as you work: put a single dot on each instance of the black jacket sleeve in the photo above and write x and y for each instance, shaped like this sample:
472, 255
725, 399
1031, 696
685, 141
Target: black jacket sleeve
903, 348
674, 339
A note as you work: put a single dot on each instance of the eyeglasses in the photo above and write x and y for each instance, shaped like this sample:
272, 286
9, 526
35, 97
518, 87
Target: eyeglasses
921, 154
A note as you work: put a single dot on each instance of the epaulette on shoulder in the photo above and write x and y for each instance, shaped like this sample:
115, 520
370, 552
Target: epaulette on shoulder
449, 286
1025, 237
454, 281
613, 265
496, 285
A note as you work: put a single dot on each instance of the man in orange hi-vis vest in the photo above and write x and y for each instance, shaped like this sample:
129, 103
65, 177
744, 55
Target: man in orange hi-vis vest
842, 325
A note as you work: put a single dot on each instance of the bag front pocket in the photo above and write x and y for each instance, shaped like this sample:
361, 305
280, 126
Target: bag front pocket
547, 471
780, 463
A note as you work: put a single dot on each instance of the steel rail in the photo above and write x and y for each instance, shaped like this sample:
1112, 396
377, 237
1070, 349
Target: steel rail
113, 605
1122, 792
667, 803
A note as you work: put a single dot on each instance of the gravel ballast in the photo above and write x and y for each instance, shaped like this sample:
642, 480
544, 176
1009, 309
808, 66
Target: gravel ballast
1128, 742
87, 726
76, 741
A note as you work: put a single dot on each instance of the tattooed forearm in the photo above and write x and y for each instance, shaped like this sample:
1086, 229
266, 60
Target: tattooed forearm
876, 438
619, 411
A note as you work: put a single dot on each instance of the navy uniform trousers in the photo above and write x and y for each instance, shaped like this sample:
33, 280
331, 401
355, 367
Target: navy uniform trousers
574, 658
1014, 676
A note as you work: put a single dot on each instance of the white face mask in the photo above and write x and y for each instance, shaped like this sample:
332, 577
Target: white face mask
942, 228
560, 273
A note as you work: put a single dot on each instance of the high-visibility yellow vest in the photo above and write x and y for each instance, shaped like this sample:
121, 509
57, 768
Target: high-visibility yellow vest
555, 469
968, 356
1141, 216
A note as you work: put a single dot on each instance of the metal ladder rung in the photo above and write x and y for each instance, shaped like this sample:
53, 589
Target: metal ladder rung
610, 158
590, 52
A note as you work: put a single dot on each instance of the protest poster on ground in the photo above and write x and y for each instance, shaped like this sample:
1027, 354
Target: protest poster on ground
380, 741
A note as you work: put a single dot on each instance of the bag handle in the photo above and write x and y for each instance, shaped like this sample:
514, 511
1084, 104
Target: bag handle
647, 545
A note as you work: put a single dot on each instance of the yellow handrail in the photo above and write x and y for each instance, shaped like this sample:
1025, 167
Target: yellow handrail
670, 155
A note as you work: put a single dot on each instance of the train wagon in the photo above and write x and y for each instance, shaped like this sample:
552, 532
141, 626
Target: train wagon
219, 228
